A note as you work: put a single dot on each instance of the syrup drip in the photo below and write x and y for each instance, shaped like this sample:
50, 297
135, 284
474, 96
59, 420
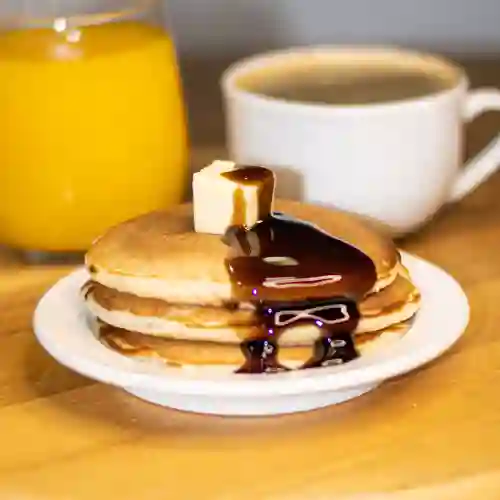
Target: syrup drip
294, 273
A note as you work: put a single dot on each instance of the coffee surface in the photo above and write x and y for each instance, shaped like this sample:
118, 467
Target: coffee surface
331, 84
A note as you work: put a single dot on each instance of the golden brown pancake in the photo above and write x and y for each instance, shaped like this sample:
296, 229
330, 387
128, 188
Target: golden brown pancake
158, 255
164, 291
232, 324
186, 353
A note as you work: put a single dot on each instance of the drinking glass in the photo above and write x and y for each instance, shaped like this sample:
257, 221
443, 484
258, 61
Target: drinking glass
92, 120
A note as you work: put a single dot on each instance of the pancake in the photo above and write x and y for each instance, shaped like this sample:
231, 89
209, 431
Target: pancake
233, 324
163, 291
158, 255
228, 357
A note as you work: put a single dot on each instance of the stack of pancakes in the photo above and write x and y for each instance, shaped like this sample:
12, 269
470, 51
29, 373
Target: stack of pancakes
158, 289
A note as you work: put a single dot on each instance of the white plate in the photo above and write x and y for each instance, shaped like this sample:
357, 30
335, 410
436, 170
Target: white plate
62, 325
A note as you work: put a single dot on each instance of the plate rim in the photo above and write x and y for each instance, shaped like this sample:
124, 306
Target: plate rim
174, 380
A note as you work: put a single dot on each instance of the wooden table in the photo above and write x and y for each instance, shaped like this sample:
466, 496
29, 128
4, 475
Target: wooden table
434, 434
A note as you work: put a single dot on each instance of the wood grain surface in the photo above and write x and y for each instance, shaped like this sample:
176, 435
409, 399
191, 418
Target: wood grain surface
433, 434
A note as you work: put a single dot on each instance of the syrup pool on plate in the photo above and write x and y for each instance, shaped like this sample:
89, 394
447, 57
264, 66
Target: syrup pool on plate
92, 130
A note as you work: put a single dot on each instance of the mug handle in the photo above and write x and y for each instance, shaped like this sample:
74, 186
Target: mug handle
478, 169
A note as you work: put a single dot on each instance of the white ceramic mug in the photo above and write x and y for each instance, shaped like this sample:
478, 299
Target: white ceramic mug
395, 161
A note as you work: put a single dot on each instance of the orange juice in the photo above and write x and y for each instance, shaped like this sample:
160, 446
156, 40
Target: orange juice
92, 132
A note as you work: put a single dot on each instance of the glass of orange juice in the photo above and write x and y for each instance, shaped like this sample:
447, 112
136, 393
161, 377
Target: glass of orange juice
92, 121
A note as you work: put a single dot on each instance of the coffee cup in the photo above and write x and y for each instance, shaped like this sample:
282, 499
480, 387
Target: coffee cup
376, 131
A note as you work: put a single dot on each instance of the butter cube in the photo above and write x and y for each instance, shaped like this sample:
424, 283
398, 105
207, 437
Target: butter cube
224, 195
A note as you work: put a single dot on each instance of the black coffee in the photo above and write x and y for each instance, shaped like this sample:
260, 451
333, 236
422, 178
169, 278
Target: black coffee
356, 83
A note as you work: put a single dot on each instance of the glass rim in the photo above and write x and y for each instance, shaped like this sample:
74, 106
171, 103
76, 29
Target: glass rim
74, 20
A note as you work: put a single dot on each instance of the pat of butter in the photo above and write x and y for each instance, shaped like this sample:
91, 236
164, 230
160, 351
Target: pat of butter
221, 201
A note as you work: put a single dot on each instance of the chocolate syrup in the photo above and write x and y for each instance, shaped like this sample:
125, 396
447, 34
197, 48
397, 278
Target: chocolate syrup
263, 179
294, 273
